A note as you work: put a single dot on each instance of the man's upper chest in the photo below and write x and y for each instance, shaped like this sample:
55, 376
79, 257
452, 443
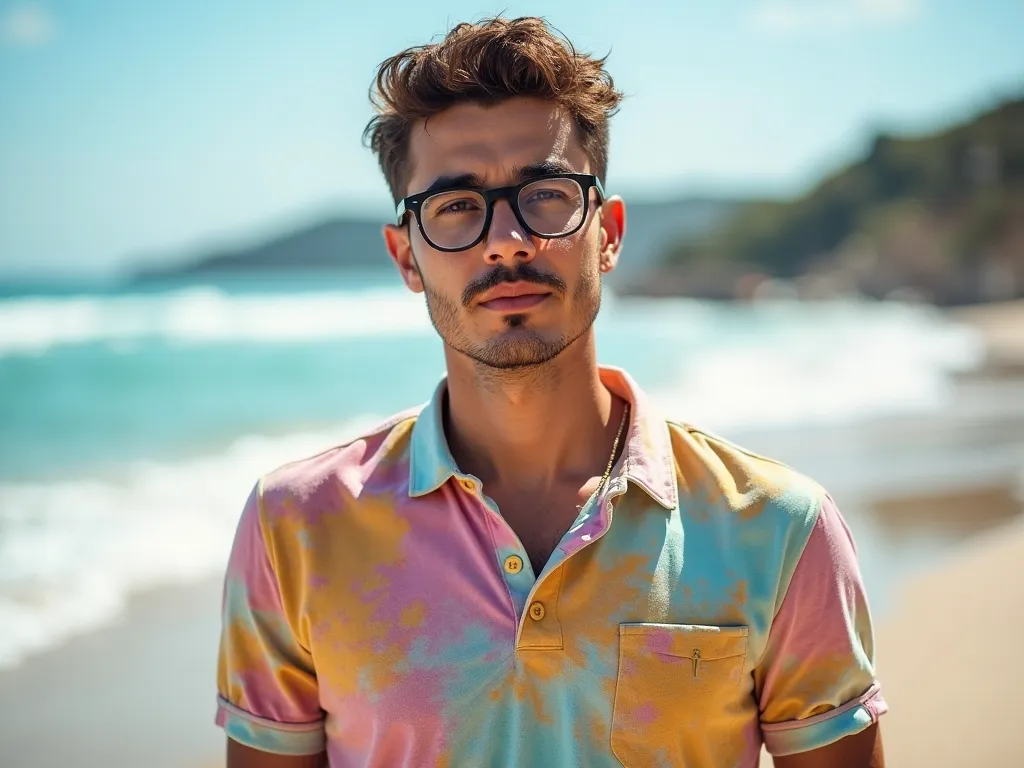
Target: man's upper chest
393, 589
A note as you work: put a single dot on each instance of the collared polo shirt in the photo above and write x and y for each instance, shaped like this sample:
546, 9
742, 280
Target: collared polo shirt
378, 606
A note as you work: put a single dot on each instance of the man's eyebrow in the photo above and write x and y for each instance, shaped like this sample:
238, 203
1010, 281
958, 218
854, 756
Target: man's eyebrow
522, 173
543, 168
459, 181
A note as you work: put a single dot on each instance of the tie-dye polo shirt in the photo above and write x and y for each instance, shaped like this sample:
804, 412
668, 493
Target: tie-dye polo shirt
378, 607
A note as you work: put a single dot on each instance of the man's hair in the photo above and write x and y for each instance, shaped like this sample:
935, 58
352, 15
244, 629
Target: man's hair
486, 63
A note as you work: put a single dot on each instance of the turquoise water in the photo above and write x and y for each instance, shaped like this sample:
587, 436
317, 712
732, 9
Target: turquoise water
89, 381
133, 422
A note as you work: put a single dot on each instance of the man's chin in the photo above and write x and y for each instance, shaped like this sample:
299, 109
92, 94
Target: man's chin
518, 348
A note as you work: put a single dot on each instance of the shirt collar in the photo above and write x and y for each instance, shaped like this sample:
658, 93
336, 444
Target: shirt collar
430, 460
647, 459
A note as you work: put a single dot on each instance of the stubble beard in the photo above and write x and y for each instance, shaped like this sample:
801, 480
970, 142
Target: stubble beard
518, 348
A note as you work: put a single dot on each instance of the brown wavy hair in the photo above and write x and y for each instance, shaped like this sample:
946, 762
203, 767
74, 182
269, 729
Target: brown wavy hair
486, 63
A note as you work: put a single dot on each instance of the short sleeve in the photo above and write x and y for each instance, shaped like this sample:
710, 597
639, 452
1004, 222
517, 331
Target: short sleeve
267, 688
816, 681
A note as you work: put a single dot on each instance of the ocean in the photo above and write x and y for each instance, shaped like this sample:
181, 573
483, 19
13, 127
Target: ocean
133, 422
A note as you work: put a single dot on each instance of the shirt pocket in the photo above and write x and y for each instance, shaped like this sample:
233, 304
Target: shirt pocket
676, 683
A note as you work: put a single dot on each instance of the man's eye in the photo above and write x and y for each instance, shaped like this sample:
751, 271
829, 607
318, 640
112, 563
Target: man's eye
544, 195
457, 206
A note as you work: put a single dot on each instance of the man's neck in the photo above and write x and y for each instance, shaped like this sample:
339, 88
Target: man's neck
531, 428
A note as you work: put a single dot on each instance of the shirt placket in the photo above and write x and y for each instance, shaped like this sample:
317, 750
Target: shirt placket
540, 627
512, 559
535, 597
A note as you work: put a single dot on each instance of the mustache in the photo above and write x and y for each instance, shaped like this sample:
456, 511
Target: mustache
524, 273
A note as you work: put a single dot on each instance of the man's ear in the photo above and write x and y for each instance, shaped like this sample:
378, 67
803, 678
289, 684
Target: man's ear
613, 228
396, 238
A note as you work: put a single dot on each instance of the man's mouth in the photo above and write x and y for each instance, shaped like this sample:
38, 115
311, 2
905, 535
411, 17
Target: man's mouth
515, 303
514, 297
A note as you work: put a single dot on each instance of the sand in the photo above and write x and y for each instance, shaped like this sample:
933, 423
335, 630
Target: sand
949, 663
138, 693
934, 502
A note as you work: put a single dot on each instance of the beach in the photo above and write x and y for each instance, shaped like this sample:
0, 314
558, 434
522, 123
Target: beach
934, 500
949, 661
138, 693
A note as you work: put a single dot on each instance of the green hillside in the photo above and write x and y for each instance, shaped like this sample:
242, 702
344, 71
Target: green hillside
940, 217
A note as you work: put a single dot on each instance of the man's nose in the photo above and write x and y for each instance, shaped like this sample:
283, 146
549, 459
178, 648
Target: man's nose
507, 240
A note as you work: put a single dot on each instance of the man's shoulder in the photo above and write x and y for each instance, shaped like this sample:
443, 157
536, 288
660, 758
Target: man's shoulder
345, 467
717, 472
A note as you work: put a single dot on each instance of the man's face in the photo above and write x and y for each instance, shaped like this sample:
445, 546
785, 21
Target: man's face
557, 281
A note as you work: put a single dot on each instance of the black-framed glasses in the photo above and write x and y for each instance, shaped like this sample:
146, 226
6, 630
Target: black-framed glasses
554, 205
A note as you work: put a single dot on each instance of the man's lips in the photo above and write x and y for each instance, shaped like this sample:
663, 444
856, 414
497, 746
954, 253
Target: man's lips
509, 297
514, 303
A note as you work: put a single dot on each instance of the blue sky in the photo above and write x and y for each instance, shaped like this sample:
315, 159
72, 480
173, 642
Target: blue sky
133, 130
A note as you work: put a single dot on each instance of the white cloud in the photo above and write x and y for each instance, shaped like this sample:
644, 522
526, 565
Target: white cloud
796, 17
28, 25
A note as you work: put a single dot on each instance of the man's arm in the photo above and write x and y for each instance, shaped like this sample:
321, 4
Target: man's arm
861, 750
816, 683
241, 756
267, 689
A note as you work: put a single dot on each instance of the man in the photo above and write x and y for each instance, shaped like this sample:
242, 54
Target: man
536, 569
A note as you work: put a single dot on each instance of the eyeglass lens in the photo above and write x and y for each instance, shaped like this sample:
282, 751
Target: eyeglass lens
455, 219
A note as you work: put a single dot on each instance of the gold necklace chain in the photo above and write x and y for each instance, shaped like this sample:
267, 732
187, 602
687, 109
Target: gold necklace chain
615, 450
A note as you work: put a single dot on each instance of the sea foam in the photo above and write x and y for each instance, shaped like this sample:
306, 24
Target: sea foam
35, 324
73, 551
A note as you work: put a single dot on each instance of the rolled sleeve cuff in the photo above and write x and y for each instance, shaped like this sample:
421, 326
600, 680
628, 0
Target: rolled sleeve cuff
854, 716
270, 735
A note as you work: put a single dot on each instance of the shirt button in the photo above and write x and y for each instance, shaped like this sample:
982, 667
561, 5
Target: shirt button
537, 611
513, 564
468, 484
